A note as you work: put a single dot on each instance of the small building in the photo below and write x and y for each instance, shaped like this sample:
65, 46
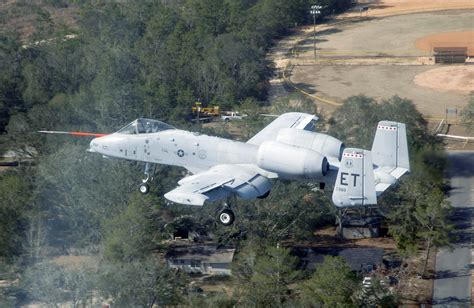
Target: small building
202, 259
450, 54
360, 259
363, 259
357, 228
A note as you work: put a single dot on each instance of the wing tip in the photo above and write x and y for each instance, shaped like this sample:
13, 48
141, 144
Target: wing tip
186, 198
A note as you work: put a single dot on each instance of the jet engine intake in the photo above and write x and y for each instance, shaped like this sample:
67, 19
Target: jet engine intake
324, 144
290, 161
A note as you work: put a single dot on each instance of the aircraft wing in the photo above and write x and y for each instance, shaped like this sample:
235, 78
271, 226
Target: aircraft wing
297, 120
218, 183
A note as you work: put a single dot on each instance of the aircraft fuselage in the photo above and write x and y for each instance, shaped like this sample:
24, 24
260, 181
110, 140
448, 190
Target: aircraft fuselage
193, 151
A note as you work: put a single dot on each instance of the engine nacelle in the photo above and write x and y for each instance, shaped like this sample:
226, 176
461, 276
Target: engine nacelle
290, 161
324, 144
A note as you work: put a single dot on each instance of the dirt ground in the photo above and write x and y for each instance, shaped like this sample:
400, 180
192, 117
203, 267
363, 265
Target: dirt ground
414, 289
449, 78
381, 8
390, 36
75, 262
338, 82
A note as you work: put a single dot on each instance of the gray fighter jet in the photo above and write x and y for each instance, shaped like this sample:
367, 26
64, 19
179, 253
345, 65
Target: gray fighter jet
287, 148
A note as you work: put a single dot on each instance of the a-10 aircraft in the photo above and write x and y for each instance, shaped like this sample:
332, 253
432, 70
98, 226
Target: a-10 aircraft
287, 148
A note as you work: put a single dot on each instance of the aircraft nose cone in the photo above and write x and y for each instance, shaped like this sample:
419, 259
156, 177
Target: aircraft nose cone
93, 146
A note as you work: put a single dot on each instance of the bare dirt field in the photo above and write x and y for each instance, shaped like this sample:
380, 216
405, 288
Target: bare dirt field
458, 78
381, 82
382, 8
391, 36
380, 58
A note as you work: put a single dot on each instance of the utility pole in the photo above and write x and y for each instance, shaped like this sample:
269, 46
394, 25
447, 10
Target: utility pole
315, 10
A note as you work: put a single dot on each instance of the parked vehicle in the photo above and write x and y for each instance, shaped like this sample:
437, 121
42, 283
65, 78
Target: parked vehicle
232, 115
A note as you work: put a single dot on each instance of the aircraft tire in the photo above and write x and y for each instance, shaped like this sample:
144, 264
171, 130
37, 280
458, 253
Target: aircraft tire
144, 188
226, 217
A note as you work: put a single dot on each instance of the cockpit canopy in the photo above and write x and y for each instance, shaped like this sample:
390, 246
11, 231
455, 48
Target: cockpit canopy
144, 126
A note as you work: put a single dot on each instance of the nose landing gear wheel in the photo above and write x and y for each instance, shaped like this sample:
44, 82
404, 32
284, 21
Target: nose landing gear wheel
226, 217
144, 188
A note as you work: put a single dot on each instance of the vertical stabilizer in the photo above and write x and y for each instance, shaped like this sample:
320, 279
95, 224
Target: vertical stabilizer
390, 146
355, 180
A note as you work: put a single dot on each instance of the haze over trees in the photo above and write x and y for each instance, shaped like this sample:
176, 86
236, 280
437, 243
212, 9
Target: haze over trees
155, 59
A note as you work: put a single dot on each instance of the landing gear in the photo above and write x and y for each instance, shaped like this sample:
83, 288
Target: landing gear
226, 217
144, 188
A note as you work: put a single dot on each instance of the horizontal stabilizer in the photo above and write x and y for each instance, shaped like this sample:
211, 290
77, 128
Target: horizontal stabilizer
387, 176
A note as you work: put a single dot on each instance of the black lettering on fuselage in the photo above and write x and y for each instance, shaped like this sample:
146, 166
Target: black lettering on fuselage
355, 178
343, 178
344, 175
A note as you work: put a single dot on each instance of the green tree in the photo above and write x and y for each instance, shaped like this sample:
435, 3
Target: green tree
142, 283
421, 217
254, 122
467, 114
10, 79
133, 233
79, 192
332, 284
53, 285
434, 221
274, 270
355, 122
14, 204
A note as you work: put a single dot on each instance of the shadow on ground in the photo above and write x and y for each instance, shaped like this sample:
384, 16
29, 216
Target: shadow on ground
462, 235
451, 300
452, 274
462, 166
